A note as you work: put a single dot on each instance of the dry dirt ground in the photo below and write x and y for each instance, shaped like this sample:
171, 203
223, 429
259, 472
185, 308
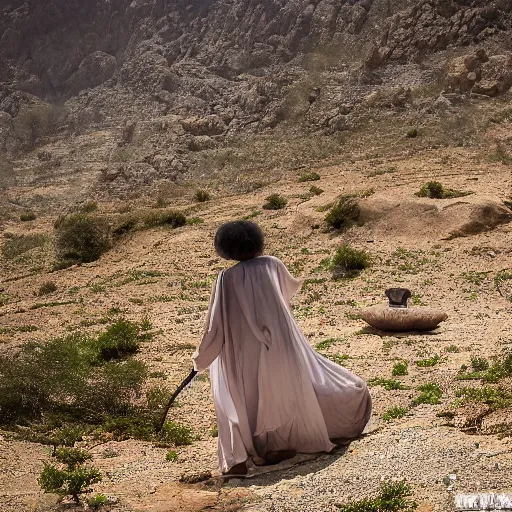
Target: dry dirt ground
166, 275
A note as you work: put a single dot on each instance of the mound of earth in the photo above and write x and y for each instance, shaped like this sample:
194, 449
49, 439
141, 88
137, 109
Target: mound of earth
426, 218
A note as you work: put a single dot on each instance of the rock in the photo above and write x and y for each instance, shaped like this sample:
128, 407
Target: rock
210, 125
472, 62
496, 76
441, 105
201, 142
389, 319
94, 70
481, 218
44, 156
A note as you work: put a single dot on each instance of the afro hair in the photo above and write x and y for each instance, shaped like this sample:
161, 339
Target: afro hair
239, 240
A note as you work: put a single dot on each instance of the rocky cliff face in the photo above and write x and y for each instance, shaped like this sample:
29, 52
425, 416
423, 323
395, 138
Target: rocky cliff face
226, 66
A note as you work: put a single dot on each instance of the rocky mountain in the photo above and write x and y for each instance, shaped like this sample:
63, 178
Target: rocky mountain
217, 68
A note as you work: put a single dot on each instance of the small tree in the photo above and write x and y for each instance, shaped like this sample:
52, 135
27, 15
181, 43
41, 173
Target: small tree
70, 477
82, 238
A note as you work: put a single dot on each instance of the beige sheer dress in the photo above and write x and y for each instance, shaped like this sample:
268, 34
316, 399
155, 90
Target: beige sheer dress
271, 390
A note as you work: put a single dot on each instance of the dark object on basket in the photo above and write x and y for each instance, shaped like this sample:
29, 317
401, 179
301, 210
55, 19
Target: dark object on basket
398, 297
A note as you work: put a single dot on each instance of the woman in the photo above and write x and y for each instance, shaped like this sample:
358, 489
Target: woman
274, 395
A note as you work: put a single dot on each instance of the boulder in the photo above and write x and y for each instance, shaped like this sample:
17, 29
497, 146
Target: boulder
201, 142
209, 125
386, 318
94, 70
496, 76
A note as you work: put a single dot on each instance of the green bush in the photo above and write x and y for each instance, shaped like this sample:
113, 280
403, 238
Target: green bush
72, 457
171, 218
75, 384
316, 191
312, 176
436, 190
349, 262
431, 394
344, 212
68, 481
171, 456
27, 217
47, 288
16, 245
392, 497
97, 501
275, 202
201, 196
387, 384
412, 133
431, 361
120, 339
394, 413
479, 364
174, 434
400, 368
82, 238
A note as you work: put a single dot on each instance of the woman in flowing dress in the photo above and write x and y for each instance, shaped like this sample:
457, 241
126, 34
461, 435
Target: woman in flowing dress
274, 395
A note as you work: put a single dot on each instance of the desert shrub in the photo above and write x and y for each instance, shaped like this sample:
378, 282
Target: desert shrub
124, 225
275, 202
344, 211
312, 176
171, 218
46, 288
316, 191
495, 397
17, 245
202, 196
387, 384
500, 279
174, 434
431, 394
479, 364
412, 133
70, 477
400, 368
27, 217
4, 299
431, 361
436, 190
392, 497
394, 413
97, 501
171, 456
89, 207
33, 123
348, 262
119, 340
81, 237
75, 383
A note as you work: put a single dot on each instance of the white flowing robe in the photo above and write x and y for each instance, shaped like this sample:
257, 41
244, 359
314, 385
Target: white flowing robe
271, 390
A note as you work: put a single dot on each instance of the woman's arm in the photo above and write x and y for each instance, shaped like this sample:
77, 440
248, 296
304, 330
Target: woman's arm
213, 338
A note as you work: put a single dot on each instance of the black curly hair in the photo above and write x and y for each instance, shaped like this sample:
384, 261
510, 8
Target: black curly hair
239, 240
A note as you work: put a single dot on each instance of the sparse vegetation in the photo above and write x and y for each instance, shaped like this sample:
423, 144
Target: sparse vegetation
27, 217
392, 497
16, 245
454, 349
119, 340
97, 501
312, 176
171, 218
70, 477
502, 277
412, 133
89, 207
47, 288
436, 190
81, 238
431, 394
394, 413
316, 191
327, 343
275, 202
171, 456
400, 368
201, 196
349, 262
344, 212
387, 384
430, 361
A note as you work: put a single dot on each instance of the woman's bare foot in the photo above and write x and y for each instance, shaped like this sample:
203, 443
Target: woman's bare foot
272, 458
237, 470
